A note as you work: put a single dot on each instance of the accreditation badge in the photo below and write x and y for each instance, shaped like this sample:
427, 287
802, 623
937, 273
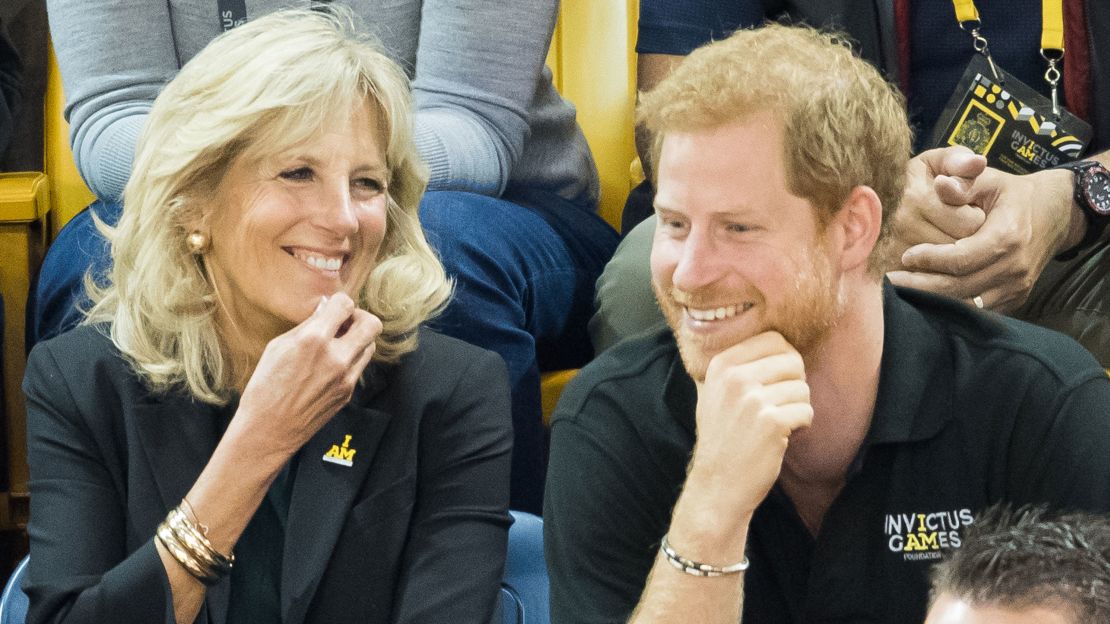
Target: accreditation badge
1009, 123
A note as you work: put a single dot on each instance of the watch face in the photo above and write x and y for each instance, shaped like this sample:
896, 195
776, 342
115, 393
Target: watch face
1096, 189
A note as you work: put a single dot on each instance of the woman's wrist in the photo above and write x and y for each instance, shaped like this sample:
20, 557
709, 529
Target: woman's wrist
228, 492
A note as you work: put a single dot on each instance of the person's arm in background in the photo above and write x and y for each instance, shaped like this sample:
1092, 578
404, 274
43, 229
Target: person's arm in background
1025, 222
671, 29
114, 58
651, 69
477, 69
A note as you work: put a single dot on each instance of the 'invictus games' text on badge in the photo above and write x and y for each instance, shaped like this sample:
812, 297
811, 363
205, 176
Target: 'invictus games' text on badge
996, 115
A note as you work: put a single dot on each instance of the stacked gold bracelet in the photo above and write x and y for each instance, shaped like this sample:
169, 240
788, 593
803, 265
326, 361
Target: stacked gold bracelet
187, 543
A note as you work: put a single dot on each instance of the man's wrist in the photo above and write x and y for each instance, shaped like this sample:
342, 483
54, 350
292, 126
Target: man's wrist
709, 528
699, 568
1060, 185
710, 543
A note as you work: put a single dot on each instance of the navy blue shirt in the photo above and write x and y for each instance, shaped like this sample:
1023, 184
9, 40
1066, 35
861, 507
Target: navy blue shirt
939, 49
679, 26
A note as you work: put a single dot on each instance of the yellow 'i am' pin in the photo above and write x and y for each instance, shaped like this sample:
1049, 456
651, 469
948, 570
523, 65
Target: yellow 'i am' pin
341, 454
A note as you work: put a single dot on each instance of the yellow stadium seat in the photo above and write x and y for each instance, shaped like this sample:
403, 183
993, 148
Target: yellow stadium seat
593, 60
24, 208
551, 387
68, 192
33, 207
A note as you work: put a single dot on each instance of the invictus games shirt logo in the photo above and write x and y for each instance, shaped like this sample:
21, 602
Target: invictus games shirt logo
921, 536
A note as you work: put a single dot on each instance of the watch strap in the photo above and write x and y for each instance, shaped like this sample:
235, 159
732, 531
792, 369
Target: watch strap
1095, 226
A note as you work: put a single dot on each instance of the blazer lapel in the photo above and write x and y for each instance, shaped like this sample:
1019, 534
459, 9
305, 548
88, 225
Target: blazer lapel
178, 436
331, 469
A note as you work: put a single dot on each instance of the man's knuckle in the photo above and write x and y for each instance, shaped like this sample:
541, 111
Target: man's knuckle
736, 377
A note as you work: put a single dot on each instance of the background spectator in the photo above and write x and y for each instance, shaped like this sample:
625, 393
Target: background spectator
1024, 567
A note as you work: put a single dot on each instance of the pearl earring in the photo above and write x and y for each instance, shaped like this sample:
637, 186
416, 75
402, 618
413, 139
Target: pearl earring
197, 242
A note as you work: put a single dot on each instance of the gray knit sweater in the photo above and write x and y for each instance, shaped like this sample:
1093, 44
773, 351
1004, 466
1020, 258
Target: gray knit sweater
487, 113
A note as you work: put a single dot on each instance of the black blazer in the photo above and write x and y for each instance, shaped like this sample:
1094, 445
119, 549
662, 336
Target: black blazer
414, 531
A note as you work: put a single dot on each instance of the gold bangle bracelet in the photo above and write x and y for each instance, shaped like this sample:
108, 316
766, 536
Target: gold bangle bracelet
197, 545
182, 557
185, 542
192, 538
187, 507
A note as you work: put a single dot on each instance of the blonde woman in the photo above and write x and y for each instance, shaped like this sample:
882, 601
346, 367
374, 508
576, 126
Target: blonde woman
250, 426
512, 187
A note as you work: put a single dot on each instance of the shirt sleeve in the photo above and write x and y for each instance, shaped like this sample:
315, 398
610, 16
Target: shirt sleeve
602, 522
477, 67
1058, 451
679, 26
80, 570
114, 58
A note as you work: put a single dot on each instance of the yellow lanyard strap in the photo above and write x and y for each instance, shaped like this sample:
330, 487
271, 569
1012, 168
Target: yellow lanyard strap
1052, 20
966, 11
1052, 25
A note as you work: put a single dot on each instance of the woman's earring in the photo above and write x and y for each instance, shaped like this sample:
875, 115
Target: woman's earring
197, 242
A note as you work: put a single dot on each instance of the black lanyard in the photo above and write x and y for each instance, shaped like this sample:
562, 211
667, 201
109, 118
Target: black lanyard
232, 13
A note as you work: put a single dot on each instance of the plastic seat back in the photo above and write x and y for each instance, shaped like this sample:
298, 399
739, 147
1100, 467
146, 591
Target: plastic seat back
524, 588
13, 602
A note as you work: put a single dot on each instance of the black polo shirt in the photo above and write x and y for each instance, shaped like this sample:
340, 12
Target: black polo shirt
972, 409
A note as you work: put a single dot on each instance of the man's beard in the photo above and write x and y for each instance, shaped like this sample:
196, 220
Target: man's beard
804, 317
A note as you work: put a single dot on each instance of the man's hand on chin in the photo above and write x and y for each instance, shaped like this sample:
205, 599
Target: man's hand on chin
753, 397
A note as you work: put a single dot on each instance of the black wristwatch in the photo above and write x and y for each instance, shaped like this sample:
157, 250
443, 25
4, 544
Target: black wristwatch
1092, 194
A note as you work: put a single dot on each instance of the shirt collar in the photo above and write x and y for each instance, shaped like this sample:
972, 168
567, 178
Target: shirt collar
914, 401
680, 394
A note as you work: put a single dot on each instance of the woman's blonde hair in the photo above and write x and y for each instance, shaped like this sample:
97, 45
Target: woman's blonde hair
845, 126
254, 92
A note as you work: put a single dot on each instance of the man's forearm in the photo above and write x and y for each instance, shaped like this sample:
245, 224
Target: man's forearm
702, 531
752, 399
673, 596
651, 69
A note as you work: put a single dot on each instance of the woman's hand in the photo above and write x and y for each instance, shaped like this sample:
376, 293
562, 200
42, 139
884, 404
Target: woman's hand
302, 379
307, 374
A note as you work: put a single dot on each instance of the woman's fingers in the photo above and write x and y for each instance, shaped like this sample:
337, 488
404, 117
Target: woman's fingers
330, 316
311, 371
360, 338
